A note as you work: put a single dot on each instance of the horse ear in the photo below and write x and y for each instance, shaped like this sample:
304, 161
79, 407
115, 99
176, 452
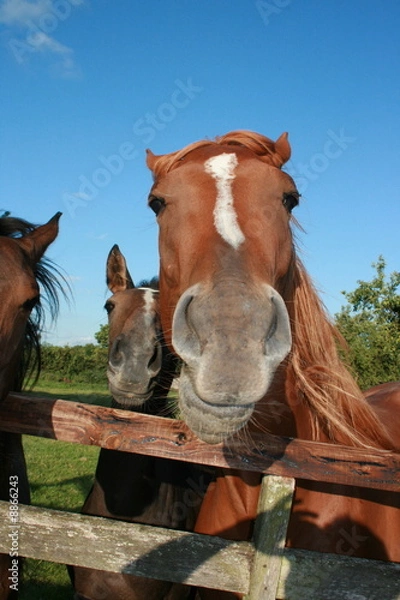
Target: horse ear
151, 159
117, 274
36, 243
282, 148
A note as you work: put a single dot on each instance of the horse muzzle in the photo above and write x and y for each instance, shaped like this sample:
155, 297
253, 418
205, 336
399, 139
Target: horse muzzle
132, 369
231, 340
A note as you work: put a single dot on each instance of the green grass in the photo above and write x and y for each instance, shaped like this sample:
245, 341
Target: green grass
60, 476
78, 392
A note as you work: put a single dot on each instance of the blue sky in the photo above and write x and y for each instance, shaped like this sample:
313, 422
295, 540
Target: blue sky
88, 85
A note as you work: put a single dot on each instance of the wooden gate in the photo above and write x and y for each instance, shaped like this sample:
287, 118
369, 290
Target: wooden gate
262, 569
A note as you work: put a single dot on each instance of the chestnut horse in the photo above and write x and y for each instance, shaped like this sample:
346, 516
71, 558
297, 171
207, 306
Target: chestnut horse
259, 352
128, 486
22, 271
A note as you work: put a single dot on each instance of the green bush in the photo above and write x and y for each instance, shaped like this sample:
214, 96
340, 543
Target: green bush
85, 364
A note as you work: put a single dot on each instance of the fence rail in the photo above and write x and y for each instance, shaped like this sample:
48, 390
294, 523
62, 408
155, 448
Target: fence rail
263, 569
169, 438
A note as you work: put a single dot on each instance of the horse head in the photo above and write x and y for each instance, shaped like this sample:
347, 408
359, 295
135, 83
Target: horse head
135, 347
22, 247
226, 247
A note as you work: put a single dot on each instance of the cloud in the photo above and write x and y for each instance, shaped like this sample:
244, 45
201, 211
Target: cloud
35, 20
49, 45
99, 236
21, 12
53, 338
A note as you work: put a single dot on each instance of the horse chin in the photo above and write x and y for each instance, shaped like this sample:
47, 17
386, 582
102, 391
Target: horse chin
212, 423
130, 398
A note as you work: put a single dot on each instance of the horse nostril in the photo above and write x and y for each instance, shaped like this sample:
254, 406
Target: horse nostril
154, 363
278, 340
153, 358
184, 337
272, 327
116, 353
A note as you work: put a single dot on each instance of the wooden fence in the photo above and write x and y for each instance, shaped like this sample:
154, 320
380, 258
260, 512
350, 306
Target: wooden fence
262, 569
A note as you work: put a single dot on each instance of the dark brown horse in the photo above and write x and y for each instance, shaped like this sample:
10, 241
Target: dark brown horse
259, 352
24, 276
132, 487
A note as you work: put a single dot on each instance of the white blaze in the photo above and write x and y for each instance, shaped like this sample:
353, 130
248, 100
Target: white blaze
149, 296
222, 168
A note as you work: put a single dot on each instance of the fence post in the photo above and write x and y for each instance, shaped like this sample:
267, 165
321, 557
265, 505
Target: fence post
270, 535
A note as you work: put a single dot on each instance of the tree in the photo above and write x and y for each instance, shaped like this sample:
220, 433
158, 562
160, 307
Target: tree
101, 336
370, 324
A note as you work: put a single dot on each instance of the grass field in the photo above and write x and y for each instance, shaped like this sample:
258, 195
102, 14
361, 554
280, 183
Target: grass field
60, 476
78, 392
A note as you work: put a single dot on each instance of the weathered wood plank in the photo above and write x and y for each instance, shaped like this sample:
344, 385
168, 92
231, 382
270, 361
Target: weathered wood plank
129, 548
309, 575
270, 530
191, 558
128, 431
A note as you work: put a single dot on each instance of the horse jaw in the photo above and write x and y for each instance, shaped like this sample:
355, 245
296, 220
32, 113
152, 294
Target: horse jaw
231, 342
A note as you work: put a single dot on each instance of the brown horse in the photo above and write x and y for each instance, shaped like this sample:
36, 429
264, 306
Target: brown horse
259, 352
22, 272
127, 486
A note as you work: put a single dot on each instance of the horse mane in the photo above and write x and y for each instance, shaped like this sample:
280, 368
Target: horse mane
262, 146
152, 284
338, 410
50, 280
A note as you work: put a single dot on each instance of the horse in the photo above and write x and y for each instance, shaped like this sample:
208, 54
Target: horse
259, 352
24, 274
128, 486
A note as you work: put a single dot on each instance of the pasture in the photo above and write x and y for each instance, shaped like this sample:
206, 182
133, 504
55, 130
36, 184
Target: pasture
60, 476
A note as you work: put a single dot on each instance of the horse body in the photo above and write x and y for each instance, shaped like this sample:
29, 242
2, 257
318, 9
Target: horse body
259, 352
385, 400
348, 520
22, 246
127, 486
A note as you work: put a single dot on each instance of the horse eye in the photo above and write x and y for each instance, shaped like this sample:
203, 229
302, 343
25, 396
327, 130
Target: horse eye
156, 204
109, 306
291, 200
30, 304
